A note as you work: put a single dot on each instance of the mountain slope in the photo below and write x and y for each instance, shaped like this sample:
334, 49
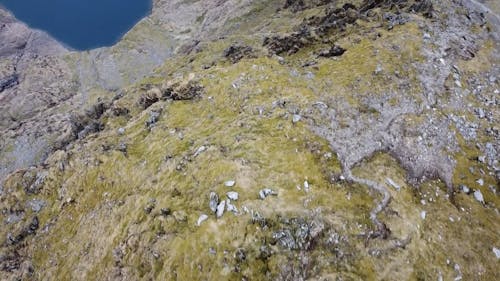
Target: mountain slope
361, 139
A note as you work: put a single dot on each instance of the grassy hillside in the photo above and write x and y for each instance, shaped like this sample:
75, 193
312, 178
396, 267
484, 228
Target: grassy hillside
372, 178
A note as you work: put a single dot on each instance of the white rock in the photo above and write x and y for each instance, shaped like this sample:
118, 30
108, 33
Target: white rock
458, 272
245, 209
479, 196
482, 159
465, 189
200, 150
214, 201
306, 186
480, 182
220, 209
230, 207
496, 251
121, 131
233, 195
266, 192
423, 215
201, 219
296, 118
230, 183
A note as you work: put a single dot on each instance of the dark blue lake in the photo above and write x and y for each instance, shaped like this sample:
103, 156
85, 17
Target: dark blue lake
81, 24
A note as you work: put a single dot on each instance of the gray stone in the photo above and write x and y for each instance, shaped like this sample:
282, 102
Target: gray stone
165, 212
496, 251
240, 255
296, 118
9, 82
458, 272
480, 113
482, 159
37, 185
230, 207
150, 207
200, 150
285, 239
14, 217
233, 195
266, 192
306, 185
480, 182
201, 219
212, 251
395, 19
220, 209
230, 183
298, 234
36, 205
491, 155
122, 147
423, 215
214, 201
479, 196
154, 116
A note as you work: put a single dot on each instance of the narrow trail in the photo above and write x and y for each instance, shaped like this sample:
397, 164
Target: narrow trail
381, 227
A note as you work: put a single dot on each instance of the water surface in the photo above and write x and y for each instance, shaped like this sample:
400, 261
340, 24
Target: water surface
81, 24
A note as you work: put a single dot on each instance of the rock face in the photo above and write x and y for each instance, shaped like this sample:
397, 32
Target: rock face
17, 38
40, 79
374, 122
33, 78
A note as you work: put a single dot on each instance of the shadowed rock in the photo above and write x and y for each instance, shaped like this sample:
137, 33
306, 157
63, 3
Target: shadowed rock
8, 82
235, 53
